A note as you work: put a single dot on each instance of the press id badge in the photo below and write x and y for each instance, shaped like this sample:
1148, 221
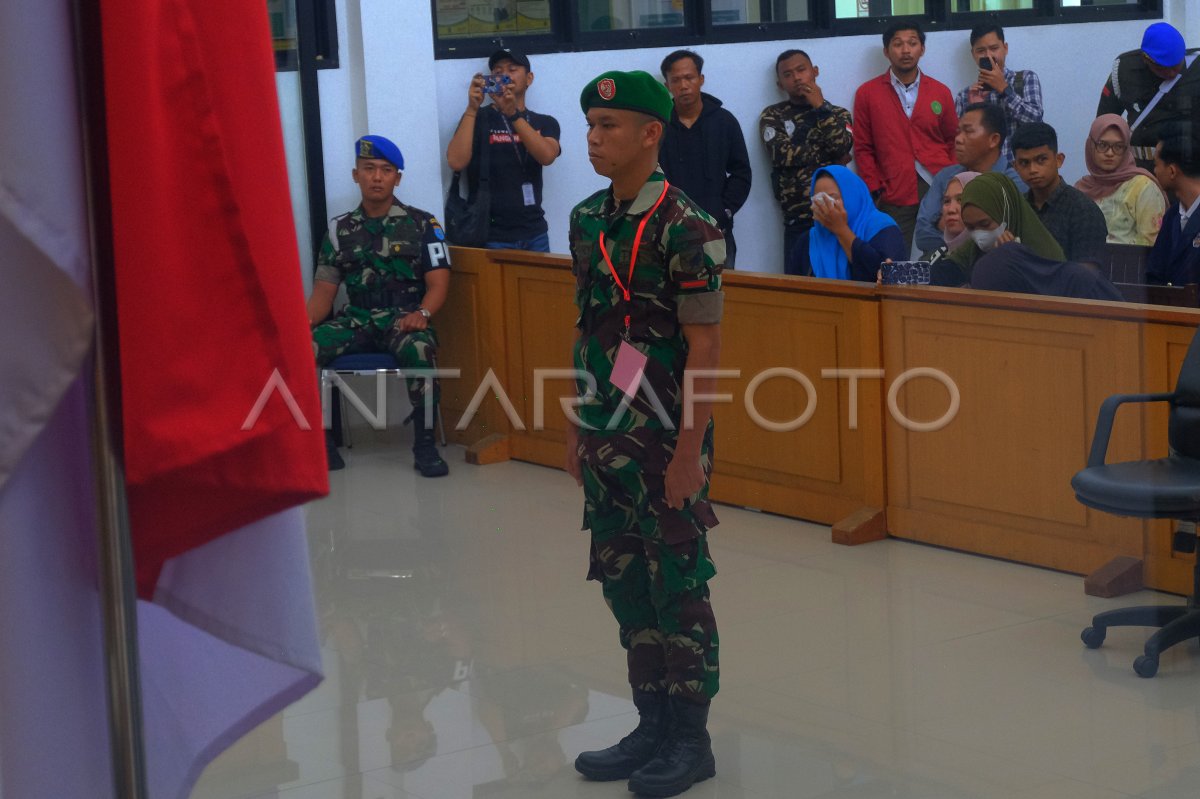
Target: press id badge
628, 368
527, 193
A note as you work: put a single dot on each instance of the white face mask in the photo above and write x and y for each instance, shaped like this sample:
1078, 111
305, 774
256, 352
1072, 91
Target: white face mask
986, 240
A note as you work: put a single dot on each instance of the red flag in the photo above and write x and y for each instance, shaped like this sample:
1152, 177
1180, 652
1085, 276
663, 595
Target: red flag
210, 299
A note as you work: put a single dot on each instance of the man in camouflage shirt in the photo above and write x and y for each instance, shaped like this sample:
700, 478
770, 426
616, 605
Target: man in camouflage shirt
396, 267
801, 134
647, 264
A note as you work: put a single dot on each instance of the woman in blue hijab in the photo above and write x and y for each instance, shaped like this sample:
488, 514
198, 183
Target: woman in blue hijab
850, 238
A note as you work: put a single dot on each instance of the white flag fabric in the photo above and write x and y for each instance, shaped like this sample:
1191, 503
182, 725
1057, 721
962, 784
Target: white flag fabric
229, 638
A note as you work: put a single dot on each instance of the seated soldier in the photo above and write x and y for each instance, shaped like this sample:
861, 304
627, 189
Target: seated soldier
396, 266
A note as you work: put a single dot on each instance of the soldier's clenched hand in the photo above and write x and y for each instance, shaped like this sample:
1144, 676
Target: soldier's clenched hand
411, 321
571, 462
684, 478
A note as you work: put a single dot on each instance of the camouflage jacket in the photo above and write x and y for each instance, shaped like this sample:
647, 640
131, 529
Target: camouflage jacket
383, 260
799, 140
676, 281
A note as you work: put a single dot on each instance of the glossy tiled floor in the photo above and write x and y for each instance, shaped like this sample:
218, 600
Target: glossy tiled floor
467, 657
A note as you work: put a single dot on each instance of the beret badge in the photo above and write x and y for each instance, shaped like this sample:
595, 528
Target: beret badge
607, 88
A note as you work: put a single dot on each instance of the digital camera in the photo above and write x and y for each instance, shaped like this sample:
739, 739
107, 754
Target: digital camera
494, 84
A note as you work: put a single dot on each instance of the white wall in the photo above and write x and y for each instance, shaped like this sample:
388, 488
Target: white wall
417, 101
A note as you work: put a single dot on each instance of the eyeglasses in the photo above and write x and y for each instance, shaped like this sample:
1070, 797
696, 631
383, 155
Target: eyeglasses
1115, 147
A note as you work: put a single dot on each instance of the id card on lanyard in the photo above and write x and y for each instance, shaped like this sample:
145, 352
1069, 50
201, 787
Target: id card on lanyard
631, 362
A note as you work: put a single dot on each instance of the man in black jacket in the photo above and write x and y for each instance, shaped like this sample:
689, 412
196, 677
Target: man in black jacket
703, 151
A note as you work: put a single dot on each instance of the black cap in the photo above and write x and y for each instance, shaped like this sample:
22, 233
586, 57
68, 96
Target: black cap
511, 55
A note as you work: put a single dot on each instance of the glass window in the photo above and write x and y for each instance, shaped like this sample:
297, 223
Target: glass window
282, 17
619, 15
964, 6
458, 19
285, 33
1094, 3
738, 12
849, 9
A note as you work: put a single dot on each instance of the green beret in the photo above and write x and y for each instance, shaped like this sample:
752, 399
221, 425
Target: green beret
632, 91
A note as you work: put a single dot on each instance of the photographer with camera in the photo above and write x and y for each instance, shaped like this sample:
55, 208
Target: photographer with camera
521, 142
1019, 94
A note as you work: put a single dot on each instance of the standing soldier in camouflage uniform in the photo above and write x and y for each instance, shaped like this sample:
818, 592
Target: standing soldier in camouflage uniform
647, 265
801, 134
1162, 64
396, 267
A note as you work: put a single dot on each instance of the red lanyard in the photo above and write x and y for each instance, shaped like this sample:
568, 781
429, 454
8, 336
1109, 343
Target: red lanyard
632, 256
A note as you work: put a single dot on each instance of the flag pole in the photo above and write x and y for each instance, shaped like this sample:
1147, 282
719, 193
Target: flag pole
117, 580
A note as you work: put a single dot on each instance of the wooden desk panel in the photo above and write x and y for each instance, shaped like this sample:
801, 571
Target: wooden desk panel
471, 338
540, 298
823, 470
996, 479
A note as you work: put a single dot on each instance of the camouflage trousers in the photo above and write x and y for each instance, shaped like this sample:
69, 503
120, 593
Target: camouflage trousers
653, 565
358, 330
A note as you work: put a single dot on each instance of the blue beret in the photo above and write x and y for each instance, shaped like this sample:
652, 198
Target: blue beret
1163, 44
379, 147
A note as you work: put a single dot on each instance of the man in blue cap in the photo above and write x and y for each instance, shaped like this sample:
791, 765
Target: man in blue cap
1153, 86
395, 265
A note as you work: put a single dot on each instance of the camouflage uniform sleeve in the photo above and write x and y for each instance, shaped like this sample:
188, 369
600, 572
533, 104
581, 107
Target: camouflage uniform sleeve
328, 269
833, 136
695, 259
774, 137
577, 269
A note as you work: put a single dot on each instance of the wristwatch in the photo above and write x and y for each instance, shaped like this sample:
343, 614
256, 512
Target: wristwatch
424, 312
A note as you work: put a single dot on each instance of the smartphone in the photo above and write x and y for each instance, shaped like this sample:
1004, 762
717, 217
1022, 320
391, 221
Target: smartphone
985, 63
905, 273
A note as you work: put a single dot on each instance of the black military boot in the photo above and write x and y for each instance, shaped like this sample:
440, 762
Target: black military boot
684, 758
426, 459
634, 750
331, 454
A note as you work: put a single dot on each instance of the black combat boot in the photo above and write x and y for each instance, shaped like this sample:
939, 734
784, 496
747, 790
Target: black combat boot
684, 758
331, 454
426, 459
634, 750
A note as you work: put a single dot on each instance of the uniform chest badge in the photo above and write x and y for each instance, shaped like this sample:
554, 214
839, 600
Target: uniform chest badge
1196, 243
607, 88
395, 249
936, 107
790, 127
768, 134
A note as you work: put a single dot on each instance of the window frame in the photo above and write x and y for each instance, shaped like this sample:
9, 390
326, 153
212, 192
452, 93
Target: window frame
320, 22
698, 29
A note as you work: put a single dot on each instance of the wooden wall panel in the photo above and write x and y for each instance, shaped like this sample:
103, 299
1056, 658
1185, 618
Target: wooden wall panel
996, 479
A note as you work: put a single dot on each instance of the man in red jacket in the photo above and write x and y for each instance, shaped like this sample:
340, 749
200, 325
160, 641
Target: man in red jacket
904, 128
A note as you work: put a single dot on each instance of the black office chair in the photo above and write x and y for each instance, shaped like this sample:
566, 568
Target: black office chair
1165, 488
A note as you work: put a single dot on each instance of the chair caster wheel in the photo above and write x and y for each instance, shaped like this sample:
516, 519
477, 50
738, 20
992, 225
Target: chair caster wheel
1093, 637
1145, 666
